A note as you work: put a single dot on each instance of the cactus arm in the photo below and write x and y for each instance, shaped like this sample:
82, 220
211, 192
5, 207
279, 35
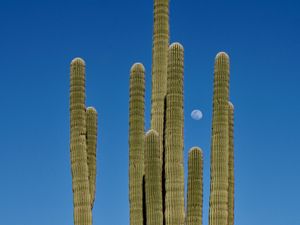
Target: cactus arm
218, 211
231, 165
136, 142
195, 187
79, 167
153, 179
174, 171
91, 143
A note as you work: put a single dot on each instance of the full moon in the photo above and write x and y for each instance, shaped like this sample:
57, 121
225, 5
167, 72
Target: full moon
196, 114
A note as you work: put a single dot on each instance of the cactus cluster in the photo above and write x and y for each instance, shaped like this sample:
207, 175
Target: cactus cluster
83, 143
156, 171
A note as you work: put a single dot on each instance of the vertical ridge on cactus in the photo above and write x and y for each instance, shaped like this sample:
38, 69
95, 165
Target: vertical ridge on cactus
91, 144
218, 202
79, 166
231, 165
159, 66
174, 171
195, 187
136, 142
153, 173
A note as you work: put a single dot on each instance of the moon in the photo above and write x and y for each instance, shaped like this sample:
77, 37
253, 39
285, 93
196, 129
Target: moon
196, 114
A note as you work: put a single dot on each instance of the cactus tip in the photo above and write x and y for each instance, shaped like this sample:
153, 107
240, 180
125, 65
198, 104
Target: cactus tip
91, 109
222, 55
152, 132
176, 45
138, 67
231, 105
78, 60
196, 149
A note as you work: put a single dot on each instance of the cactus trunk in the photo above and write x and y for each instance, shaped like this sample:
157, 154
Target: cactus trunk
218, 211
174, 172
153, 173
195, 187
159, 66
231, 165
79, 166
136, 143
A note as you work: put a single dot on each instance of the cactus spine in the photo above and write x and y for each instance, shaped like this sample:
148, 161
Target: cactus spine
174, 173
136, 142
231, 166
153, 173
195, 187
218, 211
83, 135
159, 66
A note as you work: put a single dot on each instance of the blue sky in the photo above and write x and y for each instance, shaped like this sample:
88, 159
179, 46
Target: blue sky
38, 40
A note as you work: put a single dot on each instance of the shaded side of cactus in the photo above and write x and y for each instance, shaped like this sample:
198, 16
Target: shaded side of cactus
231, 165
195, 187
153, 179
174, 171
136, 143
79, 166
218, 211
159, 66
91, 144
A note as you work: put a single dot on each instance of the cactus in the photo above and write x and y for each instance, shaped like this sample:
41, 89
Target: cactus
136, 143
83, 135
153, 172
195, 187
231, 166
173, 155
158, 199
218, 211
159, 66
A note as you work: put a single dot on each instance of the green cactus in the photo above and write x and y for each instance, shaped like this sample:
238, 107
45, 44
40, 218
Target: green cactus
231, 165
218, 204
159, 66
91, 141
83, 135
157, 198
195, 187
136, 142
173, 155
153, 179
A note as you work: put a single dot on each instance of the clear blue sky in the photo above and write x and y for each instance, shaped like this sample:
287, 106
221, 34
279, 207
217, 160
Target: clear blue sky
38, 39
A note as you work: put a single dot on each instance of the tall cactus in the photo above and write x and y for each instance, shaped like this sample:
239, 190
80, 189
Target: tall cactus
231, 165
218, 211
136, 142
159, 66
174, 172
195, 187
83, 135
153, 173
